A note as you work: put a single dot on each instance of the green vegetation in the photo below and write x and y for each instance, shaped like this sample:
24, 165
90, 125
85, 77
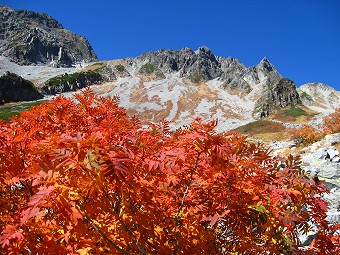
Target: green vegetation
15, 81
120, 68
195, 77
10, 110
148, 68
72, 78
295, 112
304, 95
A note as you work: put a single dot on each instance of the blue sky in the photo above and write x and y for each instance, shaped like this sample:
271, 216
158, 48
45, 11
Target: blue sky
300, 37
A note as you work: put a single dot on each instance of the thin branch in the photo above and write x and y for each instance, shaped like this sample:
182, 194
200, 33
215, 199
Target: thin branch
115, 210
99, 231
188, 185
178, 234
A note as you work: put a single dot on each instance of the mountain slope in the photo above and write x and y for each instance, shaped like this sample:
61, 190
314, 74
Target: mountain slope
28, 37
177, 85
320, 97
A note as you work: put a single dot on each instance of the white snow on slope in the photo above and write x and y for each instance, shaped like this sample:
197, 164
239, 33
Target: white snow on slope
326, 99
37, 74
179, 101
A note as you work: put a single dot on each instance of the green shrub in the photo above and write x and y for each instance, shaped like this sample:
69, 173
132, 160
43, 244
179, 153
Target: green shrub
148, 68
120, 68
72, 78
305, 95
295, 112
195, 77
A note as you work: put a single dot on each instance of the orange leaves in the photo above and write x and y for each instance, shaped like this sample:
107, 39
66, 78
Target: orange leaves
305, 134
84, 178
332, 122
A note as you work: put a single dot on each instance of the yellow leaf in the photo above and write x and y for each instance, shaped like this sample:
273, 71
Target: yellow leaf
158, 230
84, 251
274, 241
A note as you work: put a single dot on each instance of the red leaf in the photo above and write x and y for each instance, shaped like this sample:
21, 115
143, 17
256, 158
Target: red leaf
10, 232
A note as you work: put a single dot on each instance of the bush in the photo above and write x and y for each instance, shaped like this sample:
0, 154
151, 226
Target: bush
148, 68
332, 122
120, 68
195, 77
73, 78
80, 176
306, 134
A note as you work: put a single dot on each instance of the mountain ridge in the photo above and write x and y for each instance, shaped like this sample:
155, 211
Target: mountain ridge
162, 84
28, 37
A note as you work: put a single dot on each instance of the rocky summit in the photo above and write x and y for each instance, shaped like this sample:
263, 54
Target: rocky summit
175, 85
28, 37
178, 85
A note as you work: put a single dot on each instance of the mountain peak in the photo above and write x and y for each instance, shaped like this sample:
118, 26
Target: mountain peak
28, 37
265, 62
204, 49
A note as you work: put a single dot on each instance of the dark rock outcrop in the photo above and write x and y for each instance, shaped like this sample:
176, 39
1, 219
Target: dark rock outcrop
203, 65
28, 37
71, 82
14, 88
200, 65
282, 94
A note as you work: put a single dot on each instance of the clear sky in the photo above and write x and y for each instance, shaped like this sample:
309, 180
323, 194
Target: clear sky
301, 38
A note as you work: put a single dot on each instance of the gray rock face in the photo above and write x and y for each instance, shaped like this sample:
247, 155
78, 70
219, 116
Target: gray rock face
267, 73
201, 65
319, 96
233, 75
323, 161
13, 88
281, 94
28, 37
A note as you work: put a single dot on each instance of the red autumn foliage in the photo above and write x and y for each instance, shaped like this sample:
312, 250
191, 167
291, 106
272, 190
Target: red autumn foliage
81, 177
332, 122
306, 134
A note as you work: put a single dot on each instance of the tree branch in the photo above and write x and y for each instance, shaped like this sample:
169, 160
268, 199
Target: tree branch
100, 232
115, 211
188, 185
178, 234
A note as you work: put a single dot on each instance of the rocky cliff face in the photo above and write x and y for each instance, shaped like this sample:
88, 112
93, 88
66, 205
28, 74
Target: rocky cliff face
28, 37
202, 65
282, 93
